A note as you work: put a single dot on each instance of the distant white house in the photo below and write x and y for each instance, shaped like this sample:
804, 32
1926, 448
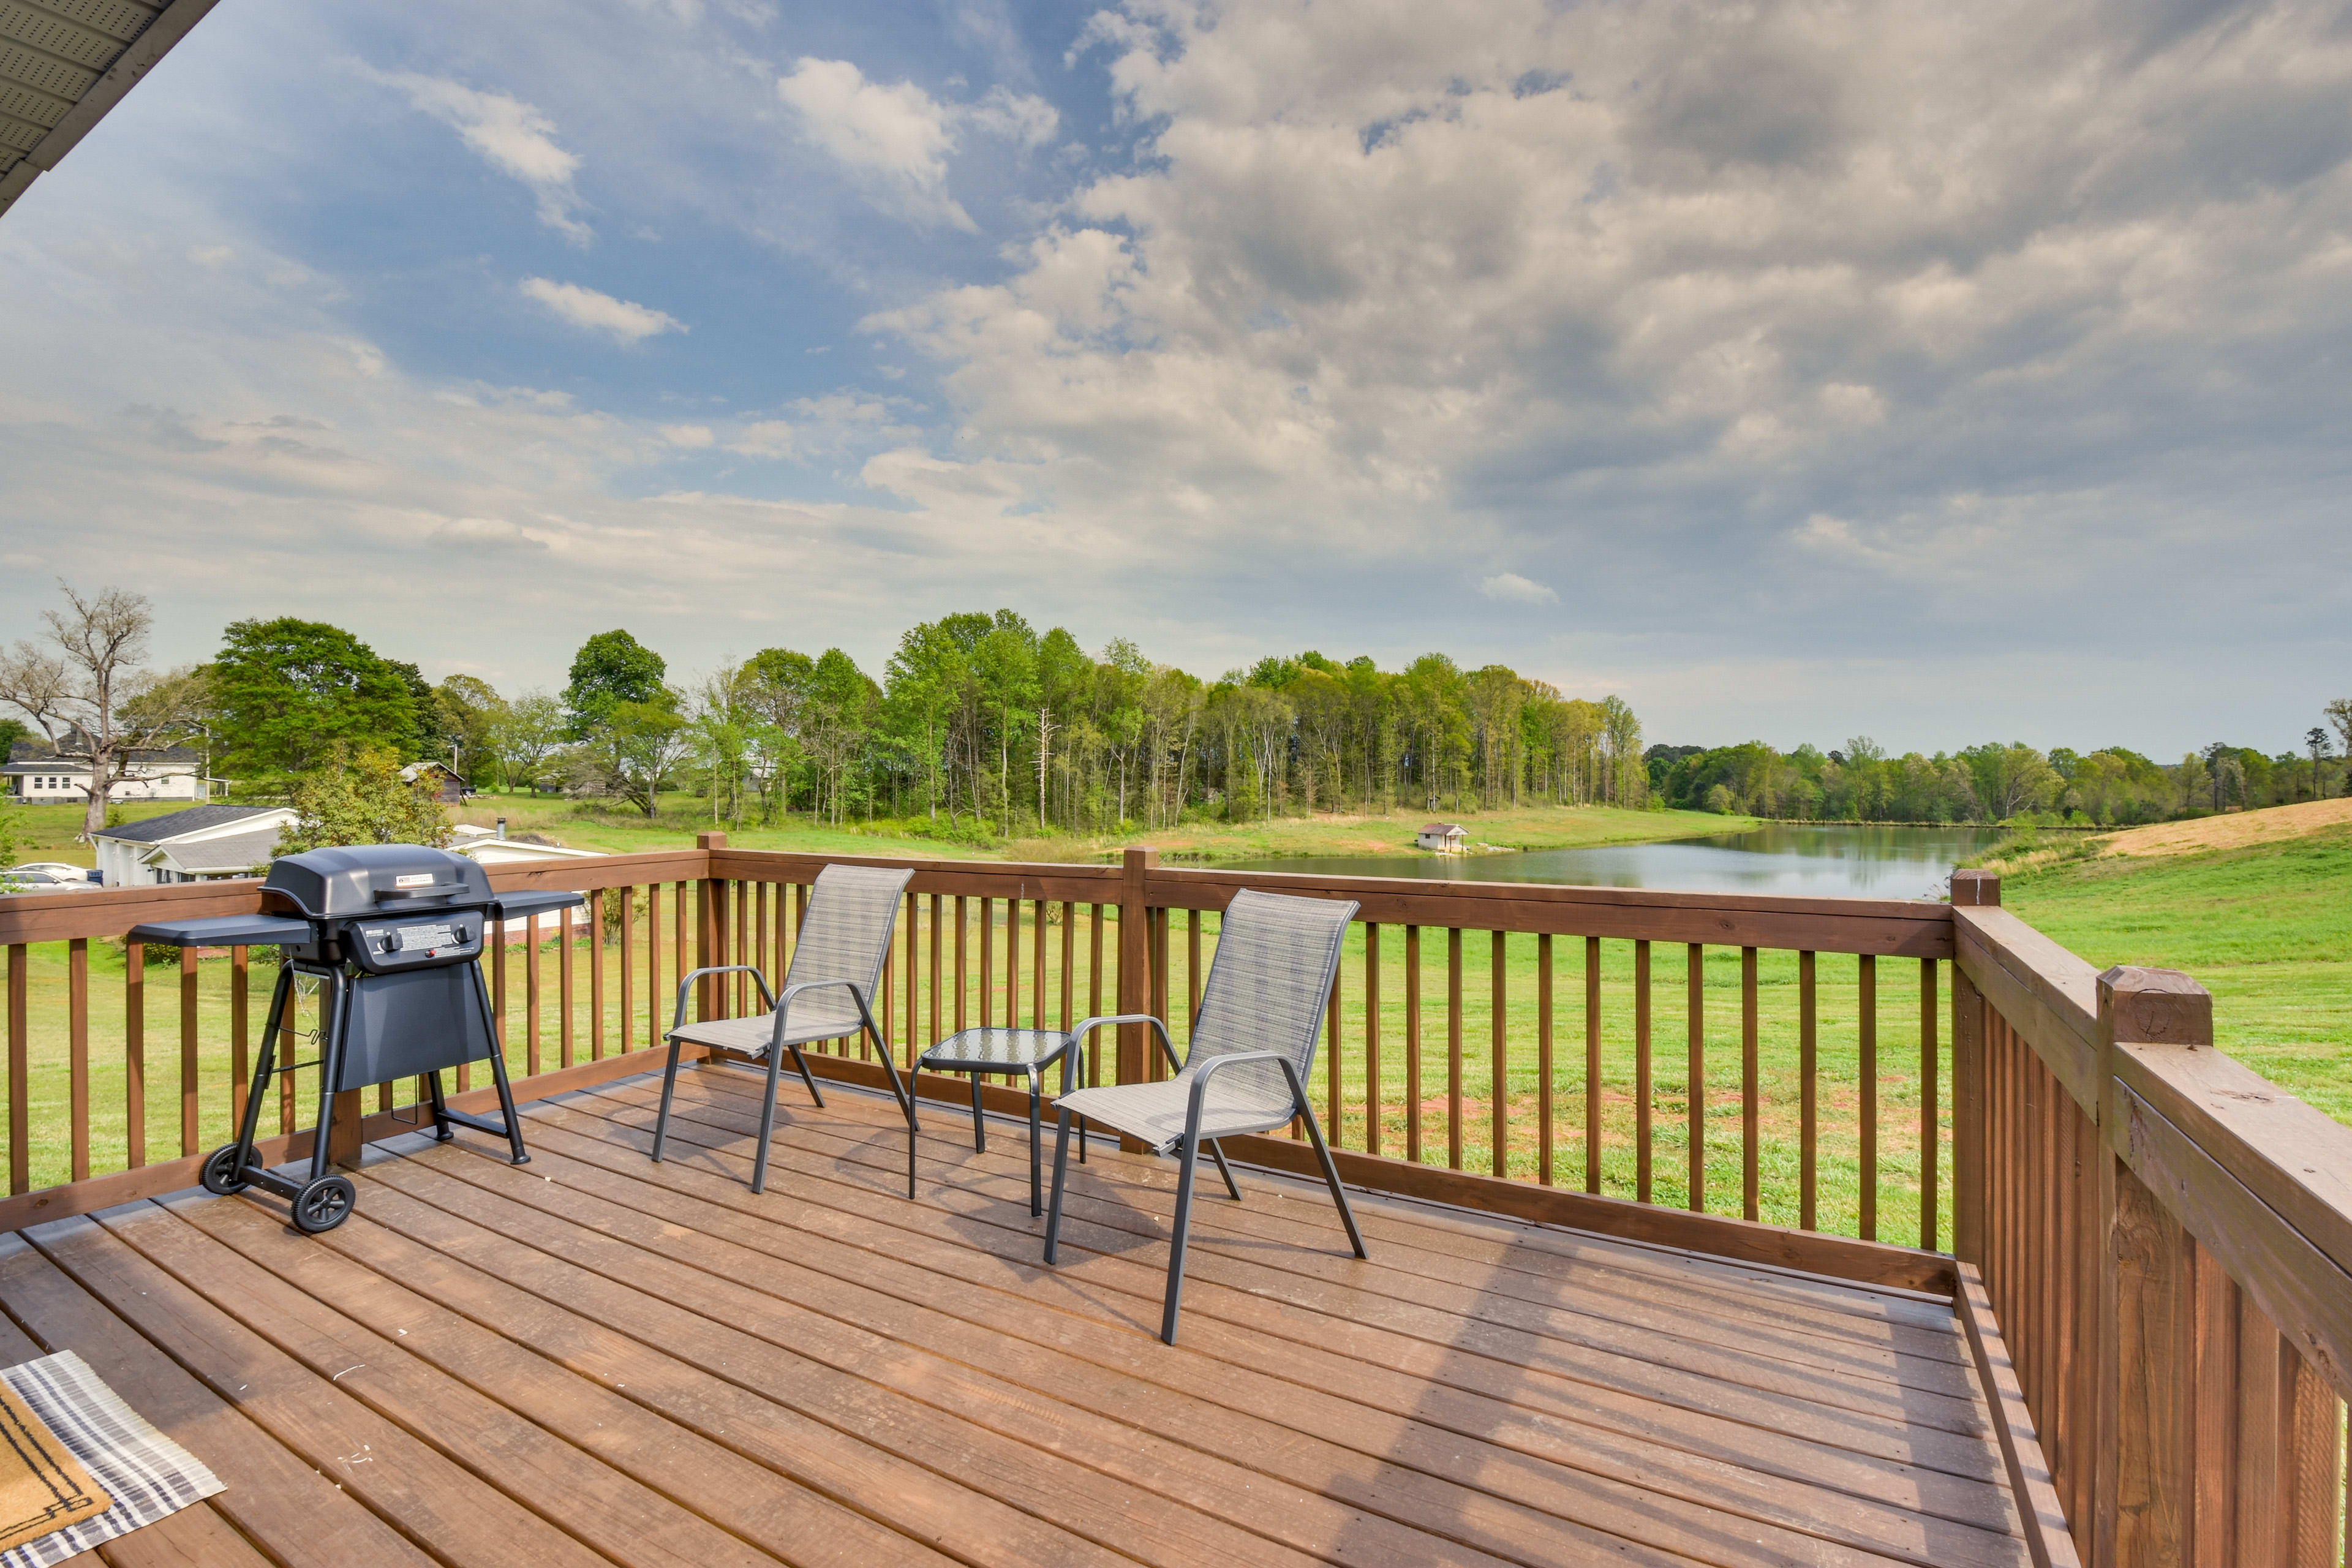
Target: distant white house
199, 844
37, 775
490, 846
1445, 837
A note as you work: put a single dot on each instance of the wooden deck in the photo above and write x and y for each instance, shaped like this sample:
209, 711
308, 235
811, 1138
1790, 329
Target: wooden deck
594, 1360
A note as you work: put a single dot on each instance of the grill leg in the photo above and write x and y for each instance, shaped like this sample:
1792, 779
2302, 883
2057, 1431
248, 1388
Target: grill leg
767, 1119
331, 1069
264, 1068
1061, 1176
441, 1129
507, 1105
1176, 1246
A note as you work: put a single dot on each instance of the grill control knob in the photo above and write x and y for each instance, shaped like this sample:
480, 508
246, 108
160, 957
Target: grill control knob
389, 944
462, 937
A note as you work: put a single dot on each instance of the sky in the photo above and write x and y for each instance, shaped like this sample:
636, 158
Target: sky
1939, 373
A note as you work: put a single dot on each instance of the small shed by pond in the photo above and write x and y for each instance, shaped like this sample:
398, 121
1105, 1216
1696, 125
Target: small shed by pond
1445, 837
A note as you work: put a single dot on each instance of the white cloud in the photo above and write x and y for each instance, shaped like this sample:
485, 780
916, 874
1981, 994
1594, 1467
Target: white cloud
897, 139
1510, 588
601, 312
688, 434
513, 136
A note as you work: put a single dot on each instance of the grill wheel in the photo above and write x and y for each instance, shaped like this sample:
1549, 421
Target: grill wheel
324, 1204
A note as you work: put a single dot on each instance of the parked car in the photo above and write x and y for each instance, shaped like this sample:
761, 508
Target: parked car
60, 871
43, 879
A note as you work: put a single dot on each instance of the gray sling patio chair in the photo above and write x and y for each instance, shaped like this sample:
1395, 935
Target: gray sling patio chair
836, 965
1245, 1071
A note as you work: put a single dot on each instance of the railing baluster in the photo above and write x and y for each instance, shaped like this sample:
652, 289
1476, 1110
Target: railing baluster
1037, 992
962, 974
936, 911
1867, 1044
680, 966
191, 1080
1454, 1047
1695, 1072
1809, 1094
240, 980
1156, 930
744, 952
20, 1110
1069, 962
77, 1051
564, 985
1751, 1173
914, 979
1191, 967
1643, 1084
289, 1047
1336, 1129
1543, 1059
1500, 1067
627, 1033
1592, 1094
531, 996
1372, 1039
1012, 963
987, 960
1412, 1043
1930, 1227
134, 1054
655, 1019
1094, 992
596, 975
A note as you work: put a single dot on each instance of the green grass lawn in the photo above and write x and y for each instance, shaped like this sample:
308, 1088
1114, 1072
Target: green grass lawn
2268, 929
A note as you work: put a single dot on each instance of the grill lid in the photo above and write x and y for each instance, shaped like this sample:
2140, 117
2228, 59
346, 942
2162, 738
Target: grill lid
375, 880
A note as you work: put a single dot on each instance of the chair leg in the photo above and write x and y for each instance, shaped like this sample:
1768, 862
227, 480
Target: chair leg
807, 1077
979, 1128
914, 1127
767, 1121
661, 1120
1035, 1138
1061, 1175
1224, 1170
1331, 1178
1176, 1246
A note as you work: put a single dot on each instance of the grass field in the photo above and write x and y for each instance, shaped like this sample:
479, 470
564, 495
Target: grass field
2266, 927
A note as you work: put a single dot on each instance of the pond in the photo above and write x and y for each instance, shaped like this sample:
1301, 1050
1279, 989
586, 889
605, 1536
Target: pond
1857, 862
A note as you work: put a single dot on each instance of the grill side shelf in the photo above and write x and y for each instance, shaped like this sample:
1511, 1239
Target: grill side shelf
227, 930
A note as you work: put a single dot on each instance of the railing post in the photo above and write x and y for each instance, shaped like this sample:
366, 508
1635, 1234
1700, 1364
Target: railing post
2140, 1448
709, 935
1974, 889
1135, 962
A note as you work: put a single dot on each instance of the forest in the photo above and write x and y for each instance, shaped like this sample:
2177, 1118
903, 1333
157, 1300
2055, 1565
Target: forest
978, 727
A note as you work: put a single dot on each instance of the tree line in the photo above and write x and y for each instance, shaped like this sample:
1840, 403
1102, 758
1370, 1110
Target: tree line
1995, 781
977, 726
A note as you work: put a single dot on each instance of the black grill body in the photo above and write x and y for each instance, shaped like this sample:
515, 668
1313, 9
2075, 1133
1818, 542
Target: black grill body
394, 934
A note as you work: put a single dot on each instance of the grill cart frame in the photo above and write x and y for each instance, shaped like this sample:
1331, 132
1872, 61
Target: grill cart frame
393, 934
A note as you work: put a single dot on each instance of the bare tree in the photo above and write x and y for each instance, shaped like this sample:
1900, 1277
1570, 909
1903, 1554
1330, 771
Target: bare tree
89, 696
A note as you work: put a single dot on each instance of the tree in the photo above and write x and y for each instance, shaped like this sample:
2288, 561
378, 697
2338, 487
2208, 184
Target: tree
2339, 714
2317, 739
288, 689
469, 710
86, 697
611, 668
526, 735
636, 751
359, 797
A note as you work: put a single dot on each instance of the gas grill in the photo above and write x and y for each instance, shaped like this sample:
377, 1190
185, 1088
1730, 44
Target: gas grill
393, 934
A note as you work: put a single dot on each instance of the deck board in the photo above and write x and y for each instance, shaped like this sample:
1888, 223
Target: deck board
595, 1359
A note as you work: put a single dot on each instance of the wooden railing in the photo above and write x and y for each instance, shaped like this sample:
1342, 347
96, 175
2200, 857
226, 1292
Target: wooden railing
2166, 1241
2157, 1236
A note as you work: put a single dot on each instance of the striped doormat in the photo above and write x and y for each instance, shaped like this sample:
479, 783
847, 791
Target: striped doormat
79, 1466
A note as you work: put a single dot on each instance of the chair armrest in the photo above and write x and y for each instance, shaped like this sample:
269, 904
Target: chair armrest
679, 1022
1089, 1025
784, 1002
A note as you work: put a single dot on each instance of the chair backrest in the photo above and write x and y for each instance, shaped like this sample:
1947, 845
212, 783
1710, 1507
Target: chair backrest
1267, 985
852, 912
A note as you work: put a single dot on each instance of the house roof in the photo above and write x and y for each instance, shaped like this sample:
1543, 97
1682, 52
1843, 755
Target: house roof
1440, 827
180, 824
62, 68
413, 770
231, 852
34, 756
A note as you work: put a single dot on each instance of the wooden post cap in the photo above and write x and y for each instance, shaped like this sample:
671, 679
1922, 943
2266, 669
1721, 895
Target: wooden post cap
1139, 857
1976, 888
2155, 1007
711, 841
